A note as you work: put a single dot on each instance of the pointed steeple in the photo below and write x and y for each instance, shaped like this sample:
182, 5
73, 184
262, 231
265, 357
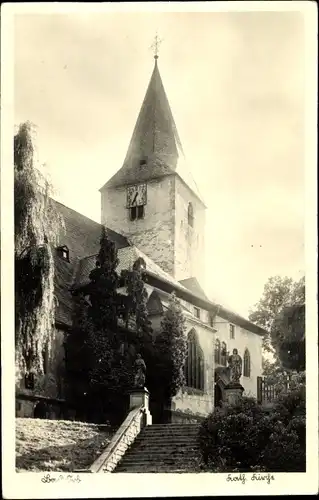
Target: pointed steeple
155, 149
155, 133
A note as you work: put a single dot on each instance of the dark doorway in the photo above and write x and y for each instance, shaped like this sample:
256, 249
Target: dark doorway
40, 410
157, 411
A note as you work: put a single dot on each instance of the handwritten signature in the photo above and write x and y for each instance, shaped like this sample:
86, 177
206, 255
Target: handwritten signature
47, 478
241, 478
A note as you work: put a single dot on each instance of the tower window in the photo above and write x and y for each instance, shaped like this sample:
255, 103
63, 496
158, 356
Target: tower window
197, 312
246, 364
190, 215
63, 252
137, 212
232, 331
194, 366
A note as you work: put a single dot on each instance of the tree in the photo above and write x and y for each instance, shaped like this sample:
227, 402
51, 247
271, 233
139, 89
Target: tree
103, 311
37, 226
171, 350
281, 312
109, 372
136, 306
288, 334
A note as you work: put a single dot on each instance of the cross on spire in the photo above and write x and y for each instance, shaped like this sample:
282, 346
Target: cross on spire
155, 46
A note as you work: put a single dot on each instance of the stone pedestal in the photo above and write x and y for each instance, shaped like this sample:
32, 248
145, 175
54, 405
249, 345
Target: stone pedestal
139, 396
233, 393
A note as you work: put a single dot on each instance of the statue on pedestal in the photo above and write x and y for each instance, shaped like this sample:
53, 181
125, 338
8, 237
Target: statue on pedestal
235, 365
140, 371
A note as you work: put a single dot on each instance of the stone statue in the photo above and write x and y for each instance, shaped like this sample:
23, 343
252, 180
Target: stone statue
235, 364
140, 371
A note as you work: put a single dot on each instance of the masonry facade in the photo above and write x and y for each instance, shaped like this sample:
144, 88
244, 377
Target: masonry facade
153, 210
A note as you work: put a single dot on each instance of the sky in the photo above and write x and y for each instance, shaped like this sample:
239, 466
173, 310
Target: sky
235, 83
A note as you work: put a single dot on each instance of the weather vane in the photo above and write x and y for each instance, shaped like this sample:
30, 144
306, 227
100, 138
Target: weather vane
155, 46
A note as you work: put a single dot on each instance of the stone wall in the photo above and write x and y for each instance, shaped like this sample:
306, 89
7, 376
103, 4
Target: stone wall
49, 384
154, 234
24, 408
183, 417
189, 241
164, 234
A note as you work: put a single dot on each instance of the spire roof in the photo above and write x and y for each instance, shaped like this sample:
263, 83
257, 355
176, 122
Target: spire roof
155, 149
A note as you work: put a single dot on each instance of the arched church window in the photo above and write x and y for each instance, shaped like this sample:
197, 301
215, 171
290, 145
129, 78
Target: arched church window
217, 352
194, 366
223, 354
190, 215
246, 371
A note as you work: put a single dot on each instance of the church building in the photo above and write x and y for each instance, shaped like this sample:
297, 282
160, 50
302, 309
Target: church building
153, 211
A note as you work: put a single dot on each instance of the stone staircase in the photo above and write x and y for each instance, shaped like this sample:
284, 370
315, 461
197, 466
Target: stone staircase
162, 448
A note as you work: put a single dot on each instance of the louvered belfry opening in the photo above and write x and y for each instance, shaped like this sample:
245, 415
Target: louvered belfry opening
194, 366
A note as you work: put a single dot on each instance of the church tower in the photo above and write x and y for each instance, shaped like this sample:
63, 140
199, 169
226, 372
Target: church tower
153, 199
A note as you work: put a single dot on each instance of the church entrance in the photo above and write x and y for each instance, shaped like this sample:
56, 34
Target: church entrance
157, 411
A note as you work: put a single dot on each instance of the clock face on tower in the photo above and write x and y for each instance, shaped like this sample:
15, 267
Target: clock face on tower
136, 195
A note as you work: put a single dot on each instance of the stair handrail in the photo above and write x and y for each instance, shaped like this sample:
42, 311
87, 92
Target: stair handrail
122, 439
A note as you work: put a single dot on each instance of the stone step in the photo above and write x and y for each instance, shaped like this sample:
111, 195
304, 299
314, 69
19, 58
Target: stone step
172, 426
141, 448
152, 469
162, 448
151, 446
158, 462
159, 453
154, 432
165, 444
168, 426
171, 431
167, 454
165, 437
168, 434
156, 468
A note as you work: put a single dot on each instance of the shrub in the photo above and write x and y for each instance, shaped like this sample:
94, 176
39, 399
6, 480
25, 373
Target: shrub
248, 437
